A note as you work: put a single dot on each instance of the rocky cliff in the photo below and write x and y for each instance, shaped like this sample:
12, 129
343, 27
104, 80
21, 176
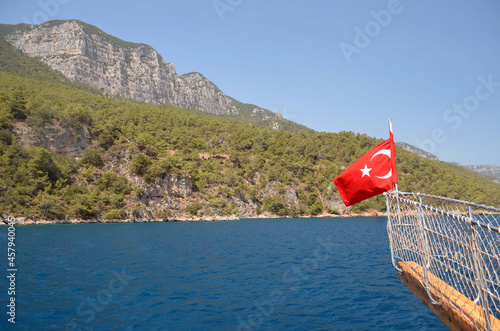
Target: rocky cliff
85, 54
54, 138
491, 171
417, 151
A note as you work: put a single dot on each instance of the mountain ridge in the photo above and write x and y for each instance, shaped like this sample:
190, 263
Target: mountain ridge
84, 53
489, 171
417, 151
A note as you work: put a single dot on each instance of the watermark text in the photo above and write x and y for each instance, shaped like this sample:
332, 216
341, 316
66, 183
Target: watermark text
372, 29
48, 10
90, 306
223, 6
11, 269
292, 279
455, 115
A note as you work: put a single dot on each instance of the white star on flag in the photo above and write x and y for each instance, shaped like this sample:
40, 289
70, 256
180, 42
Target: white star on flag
366, 171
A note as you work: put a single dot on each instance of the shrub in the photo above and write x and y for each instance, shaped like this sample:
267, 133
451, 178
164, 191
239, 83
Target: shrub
333, 211
18, 105
140, 163
111, 182
317, 208
218, 203
92, 157
84, 212
41, 164
106, 141
276, 205
5, 137
114, 214
193, 209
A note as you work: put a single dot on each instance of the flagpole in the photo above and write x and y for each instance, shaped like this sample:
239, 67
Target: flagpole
395, 184
389, 222
391, 133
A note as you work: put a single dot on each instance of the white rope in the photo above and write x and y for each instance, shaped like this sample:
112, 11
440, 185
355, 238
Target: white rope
457, 241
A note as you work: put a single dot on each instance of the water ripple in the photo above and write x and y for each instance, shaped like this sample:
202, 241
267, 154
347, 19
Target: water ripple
298, 274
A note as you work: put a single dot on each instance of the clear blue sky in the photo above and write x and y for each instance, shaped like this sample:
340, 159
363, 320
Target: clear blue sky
431, 66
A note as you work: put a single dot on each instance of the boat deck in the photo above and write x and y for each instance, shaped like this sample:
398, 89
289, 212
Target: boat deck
457, 311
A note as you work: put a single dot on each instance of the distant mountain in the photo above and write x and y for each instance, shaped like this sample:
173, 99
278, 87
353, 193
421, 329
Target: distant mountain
490, 171
85, 54
418, 151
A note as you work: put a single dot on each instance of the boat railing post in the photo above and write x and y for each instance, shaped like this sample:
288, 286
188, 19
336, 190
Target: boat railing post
479, 276
389, 231
425, 251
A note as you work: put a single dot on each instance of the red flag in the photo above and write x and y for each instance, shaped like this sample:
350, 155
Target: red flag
370, 175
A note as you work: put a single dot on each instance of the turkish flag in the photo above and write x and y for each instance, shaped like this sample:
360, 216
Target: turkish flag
370, 175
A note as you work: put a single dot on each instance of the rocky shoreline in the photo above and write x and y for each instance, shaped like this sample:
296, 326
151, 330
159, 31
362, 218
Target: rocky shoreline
38, 221
4, 219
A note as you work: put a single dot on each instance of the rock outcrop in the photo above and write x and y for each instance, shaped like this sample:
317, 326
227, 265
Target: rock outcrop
171, 185
417, 151
85, 54
55, 138
491, 171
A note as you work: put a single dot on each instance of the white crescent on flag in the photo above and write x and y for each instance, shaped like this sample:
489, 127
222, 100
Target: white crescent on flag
384, 152
389, 175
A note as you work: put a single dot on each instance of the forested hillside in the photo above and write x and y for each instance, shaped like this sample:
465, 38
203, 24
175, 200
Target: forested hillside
69, 153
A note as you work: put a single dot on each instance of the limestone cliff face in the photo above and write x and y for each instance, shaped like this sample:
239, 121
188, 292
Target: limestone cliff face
491, 171
171, 185
86, 54
417, 151
55, 138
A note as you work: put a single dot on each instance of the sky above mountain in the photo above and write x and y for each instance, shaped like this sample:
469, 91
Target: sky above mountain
431, 66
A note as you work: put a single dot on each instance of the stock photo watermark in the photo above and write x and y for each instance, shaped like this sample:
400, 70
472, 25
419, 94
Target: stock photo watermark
11, 269
284, 113
223, 6
371, 30
90, 306
48, 9
292, 279
455, 115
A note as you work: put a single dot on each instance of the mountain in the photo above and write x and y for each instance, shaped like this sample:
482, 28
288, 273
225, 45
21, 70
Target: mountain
490, 171
417, 151
85, 54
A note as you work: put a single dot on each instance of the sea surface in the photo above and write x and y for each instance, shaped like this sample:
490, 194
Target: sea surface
266, 274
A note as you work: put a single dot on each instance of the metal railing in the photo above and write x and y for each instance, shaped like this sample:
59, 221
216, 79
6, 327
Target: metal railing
456, 241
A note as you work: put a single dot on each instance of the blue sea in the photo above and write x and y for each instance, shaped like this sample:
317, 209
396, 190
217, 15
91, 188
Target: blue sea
266, 274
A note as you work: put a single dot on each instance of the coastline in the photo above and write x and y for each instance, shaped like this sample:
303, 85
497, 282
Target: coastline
4, 219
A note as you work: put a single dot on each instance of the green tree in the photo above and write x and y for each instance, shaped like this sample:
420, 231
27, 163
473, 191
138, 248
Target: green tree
140, 163
92, 157
41, 164
106, 141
